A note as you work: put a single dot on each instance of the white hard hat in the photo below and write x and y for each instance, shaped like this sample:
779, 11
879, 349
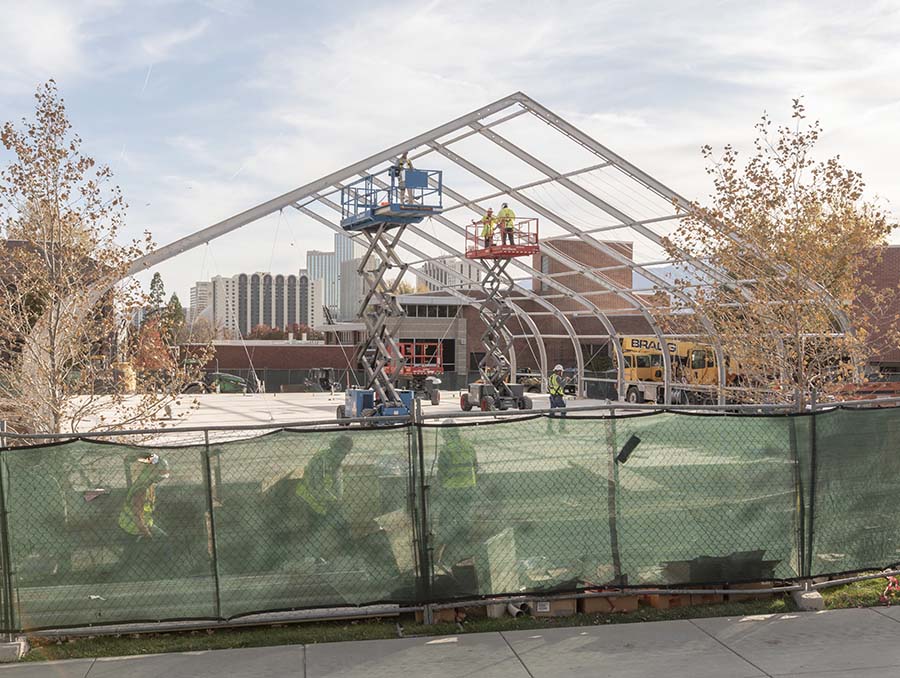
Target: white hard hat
558, 368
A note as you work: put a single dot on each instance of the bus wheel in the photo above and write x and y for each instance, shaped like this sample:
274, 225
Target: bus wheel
633, 395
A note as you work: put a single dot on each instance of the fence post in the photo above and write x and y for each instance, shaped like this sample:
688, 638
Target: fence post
5, 557
813, 479
422, 490
211, 523
799, 501
612, 509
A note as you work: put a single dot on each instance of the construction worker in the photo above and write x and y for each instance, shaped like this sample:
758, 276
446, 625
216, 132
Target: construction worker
488, 221
507, 219
454, 498
556, 384
136, 517
399, 171
320, 492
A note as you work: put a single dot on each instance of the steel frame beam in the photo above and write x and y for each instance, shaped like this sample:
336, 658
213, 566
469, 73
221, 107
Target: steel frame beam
476, 123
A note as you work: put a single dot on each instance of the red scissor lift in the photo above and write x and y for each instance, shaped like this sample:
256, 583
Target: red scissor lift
494, 390
423, 364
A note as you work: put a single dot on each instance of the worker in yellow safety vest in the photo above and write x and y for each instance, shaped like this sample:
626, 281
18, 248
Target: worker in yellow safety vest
148, 550
507, 219
557, 391
454, 501
487, 227
323, 530
136, 516
319, 488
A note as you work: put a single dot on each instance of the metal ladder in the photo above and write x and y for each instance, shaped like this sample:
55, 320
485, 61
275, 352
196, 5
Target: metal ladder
379, 304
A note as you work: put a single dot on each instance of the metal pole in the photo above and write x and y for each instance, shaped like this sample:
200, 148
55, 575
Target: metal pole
611, 483
418, 459
210, 507
5, 557
813, 479
799, 504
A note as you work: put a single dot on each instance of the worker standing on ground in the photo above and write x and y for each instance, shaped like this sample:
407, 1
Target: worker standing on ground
322, 524
137, 516
556, 397
454, 499
487, 229
507, 219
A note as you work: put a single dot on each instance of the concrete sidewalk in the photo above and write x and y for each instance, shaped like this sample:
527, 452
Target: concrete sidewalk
859, 643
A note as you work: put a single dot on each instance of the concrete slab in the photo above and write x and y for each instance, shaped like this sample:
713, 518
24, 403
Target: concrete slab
485, 655
675, 649
71, 668
811, 642
256, 662
885, 672
892, 612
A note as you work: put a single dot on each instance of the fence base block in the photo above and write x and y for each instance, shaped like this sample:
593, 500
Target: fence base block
808, 601
14, 650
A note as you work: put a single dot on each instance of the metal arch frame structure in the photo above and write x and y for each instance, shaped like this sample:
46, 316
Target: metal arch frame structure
477, 123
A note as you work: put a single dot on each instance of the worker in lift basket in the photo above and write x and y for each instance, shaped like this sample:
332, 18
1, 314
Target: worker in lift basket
488, 221
399, 170
507, 219
556, 383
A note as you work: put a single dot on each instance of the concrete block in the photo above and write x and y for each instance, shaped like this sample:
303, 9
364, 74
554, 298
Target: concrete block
14, 650
808, 601
496, 611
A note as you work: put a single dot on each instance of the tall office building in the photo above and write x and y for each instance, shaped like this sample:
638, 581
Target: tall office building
462, 272
346, 248
323, 266
353, 288
201, 298
245, 300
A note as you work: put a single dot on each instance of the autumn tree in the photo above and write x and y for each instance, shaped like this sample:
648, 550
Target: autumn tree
792, 238
65, 296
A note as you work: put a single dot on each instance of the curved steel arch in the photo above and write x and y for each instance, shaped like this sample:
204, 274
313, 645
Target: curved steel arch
482, 123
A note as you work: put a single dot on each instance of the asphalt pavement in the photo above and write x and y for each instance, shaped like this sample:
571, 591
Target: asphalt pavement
857, 643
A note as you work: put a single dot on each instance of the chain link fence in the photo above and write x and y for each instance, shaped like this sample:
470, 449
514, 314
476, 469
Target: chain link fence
408, 512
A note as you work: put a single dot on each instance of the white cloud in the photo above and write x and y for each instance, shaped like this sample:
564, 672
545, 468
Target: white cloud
160, 46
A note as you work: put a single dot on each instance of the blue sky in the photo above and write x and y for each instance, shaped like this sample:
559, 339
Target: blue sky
208, 107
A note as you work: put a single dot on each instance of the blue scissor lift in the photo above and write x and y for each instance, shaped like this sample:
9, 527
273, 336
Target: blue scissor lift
379, 213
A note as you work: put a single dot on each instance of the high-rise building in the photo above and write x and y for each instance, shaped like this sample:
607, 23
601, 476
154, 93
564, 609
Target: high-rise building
462, 272
323, 266
353, 288
346, 248
201, 298
245, 300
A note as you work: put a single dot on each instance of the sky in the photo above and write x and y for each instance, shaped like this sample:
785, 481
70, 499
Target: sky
205, 108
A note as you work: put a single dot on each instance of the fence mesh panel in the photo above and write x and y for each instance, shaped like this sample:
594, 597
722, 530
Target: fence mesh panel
706, 498
79, 557
103, 532
856, 470
310, 519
